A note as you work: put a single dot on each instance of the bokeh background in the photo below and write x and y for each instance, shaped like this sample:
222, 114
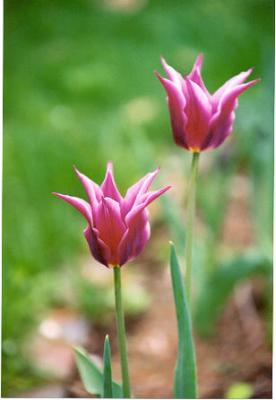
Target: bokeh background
79, 89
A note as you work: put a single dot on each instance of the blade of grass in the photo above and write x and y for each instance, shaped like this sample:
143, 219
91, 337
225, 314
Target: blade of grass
107, 372
185, 381
92, 377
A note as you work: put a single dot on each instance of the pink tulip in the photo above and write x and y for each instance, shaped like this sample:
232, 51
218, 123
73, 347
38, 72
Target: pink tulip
118, 227
200, 120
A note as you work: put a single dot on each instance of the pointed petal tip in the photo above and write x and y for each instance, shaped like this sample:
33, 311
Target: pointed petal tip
61, 196
250, 83
77, 172
164, 81
247, 73
109, 165
154, 173
200, 56
57, 194
199, 60
156, 170
109, 187
157, 74
163, 61
109, 169
257, 80
163, 190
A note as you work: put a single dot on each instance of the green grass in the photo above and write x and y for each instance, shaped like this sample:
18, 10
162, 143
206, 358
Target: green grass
71, 72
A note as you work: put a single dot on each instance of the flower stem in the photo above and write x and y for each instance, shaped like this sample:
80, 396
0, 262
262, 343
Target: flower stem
121, 331
190, 223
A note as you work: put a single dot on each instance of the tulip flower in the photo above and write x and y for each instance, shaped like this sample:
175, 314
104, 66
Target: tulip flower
201, 121
117, 227
117, 231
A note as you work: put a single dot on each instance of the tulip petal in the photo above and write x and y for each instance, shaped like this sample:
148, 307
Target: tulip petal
236, 80
172, 74
79, 204
228, 101
108, 186
139, 188
135, 238
195, 74
97, 247
222, 121
172, 90
109, 223
146, 199
219, 132
93, 190
198, 111
176, 102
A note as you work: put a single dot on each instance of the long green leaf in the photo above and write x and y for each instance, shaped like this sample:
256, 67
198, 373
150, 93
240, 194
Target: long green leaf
185, 381
107, 372
92, 377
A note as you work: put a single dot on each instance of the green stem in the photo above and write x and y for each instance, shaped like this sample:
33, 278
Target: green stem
121, 332
190, 223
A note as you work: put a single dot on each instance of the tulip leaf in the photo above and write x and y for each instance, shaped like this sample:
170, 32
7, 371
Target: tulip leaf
92, 376
107, 372
185, 380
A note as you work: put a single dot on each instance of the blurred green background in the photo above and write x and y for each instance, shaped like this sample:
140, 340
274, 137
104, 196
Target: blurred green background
79, 89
